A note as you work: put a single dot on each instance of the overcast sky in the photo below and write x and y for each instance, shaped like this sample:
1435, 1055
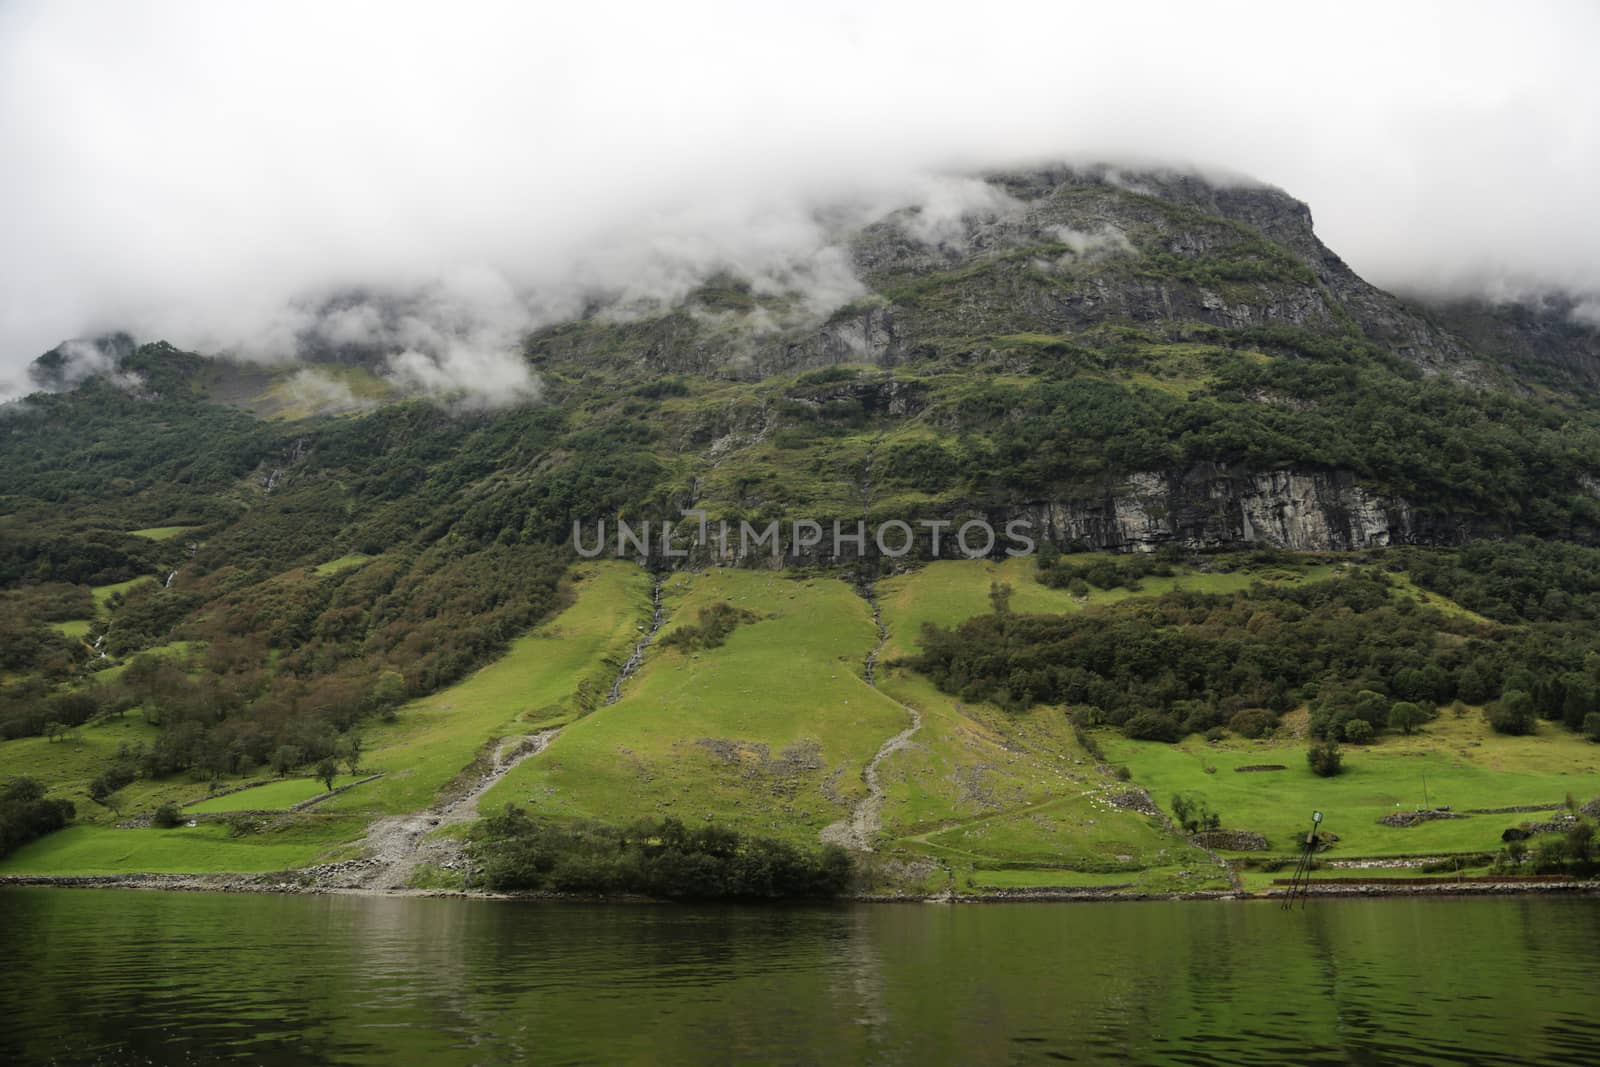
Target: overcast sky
191, 170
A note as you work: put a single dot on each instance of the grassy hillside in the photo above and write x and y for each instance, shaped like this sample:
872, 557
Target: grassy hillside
983, 791
271, 796
545, 679
768, 732
1456, 761
209, 848
768, 724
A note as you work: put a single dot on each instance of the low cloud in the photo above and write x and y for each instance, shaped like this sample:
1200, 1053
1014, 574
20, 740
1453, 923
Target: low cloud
948, 206
1095, 244
432, 185
315, 392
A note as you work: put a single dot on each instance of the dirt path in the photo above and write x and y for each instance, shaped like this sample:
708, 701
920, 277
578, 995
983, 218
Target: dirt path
397, 845
865, 820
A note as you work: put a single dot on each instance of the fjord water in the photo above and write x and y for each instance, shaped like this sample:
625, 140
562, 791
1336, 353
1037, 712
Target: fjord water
102, 976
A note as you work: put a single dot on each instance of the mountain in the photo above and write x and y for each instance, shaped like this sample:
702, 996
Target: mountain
268, 561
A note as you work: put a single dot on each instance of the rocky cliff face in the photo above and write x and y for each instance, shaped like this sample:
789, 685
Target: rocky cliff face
1210, 506
1548, 339
1207, 507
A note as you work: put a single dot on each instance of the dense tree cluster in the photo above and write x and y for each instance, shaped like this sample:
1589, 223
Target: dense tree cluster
288, 667
658, 859
1343, 404
25, 813
1122, 572
1523, 580
1349, 647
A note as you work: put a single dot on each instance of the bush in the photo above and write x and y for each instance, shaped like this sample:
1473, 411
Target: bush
1359, 732
1253, 722
1152, 726
112, 779
167, 816
1193, 813
1370, 707
1551, 856
1406, 716
1591, 726
661, 859
716, 622
1580, 842
1090, 745
25, 814
1325, 758
1512, 714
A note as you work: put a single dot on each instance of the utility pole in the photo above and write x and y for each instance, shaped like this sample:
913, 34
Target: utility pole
1300, 884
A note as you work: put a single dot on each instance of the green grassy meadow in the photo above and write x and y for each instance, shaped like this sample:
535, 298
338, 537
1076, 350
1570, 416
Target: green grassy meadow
208, 848
768, 733
162, 533
334, 566
272, 796
103, 593
949, 591
1465, 764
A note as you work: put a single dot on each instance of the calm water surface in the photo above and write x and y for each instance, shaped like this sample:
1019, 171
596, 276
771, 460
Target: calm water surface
101, 976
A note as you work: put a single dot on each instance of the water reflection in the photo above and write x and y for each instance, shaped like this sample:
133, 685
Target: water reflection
109, 977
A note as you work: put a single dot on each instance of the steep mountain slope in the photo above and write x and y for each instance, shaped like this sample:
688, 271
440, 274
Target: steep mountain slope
216, 571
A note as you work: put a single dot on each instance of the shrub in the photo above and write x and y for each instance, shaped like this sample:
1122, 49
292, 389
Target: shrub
1580, 841
1325, 758
1551, 856
1406, 716
167, 815
1591, 726
1194, 814
1152, 726
1370, 707
243, 825
25, 814
716, 622
1512, 714
110, 780
662, 859
1253, 722
1090, 745
1359, 732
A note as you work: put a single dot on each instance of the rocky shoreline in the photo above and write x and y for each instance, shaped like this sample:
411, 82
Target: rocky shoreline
298, 883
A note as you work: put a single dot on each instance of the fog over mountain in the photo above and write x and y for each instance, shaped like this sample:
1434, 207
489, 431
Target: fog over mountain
438, 180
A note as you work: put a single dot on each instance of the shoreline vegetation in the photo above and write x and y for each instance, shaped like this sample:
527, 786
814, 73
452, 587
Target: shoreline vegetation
294, 883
